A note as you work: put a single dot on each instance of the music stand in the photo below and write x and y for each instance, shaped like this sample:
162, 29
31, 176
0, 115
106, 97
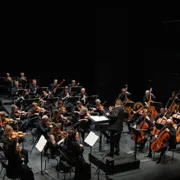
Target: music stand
157, 105
40, 146
159, 126
129, 104
30, 101
21, 92
91, 140
137, 134
59, 90
91, 99
41, 89
73, 99
76, 89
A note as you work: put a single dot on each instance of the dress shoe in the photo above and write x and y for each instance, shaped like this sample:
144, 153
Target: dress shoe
116, 153
149, 155
110, 154
158, 161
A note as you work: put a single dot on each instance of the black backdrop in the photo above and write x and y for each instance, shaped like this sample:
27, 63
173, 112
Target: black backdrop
129, 45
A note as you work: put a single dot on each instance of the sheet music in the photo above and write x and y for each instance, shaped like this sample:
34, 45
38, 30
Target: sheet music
91, 139
98, 118
41, 143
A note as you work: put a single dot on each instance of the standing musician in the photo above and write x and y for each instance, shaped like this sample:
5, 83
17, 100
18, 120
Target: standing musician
116, 116
74, 151
144, 126
124, 95
165, 138
8, 83
147, 98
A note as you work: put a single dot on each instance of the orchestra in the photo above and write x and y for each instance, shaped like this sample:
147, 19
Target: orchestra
55, 121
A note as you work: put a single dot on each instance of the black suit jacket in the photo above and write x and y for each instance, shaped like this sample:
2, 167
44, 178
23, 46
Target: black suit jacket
116, 119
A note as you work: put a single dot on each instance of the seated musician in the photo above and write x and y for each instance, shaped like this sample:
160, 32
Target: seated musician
53, 86
171, 143
17, 157
61, 107
84, 123
43, 128
99, 109
8, 138
22, 80
65, 94
140, 123
174, 98
137, 112
83, 96
15, 90
161, 114
74, 151
33, 89
8, 84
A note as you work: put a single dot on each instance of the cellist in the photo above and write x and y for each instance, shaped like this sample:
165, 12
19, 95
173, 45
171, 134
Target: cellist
168, 140
145, 126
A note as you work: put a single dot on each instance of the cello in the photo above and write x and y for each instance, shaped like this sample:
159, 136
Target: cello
158, 144
143, 126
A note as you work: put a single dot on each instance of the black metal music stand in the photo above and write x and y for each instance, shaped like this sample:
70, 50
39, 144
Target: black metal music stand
73, 99
91, 100
41, 89
21, 92
59, 90
137, 134
157, 105
158, 126
129, 104
75, 90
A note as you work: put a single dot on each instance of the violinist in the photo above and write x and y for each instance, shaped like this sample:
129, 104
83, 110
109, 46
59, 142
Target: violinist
43, 127
99, 109
61, 107
169, 141
74, 151
84, 123
8, 138
144, 125
17, 158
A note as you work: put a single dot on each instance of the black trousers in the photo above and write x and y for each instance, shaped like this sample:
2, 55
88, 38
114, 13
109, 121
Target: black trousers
115, 137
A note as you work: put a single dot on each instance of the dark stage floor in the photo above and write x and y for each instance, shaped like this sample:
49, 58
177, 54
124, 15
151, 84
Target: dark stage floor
149, 170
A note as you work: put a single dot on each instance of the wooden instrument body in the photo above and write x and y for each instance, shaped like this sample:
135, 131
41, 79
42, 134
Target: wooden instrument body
158, 143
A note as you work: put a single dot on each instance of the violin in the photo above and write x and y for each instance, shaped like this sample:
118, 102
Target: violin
40, 110
8, 121
17, 134
62, 133
100, 107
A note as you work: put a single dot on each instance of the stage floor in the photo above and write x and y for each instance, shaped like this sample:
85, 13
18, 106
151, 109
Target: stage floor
149, 170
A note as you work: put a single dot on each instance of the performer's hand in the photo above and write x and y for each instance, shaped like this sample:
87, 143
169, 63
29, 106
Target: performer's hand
155, 136
167, 129
110, 108
107, 114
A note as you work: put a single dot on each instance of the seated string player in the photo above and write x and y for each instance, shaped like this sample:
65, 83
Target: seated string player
144, 125
99, 109
164, 139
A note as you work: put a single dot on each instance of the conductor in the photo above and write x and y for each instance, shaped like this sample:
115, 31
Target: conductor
116, 116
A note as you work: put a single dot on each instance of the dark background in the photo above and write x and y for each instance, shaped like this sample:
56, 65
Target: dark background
132, 47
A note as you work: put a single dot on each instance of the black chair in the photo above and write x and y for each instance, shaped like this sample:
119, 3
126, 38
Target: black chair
10, 173
63, 165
